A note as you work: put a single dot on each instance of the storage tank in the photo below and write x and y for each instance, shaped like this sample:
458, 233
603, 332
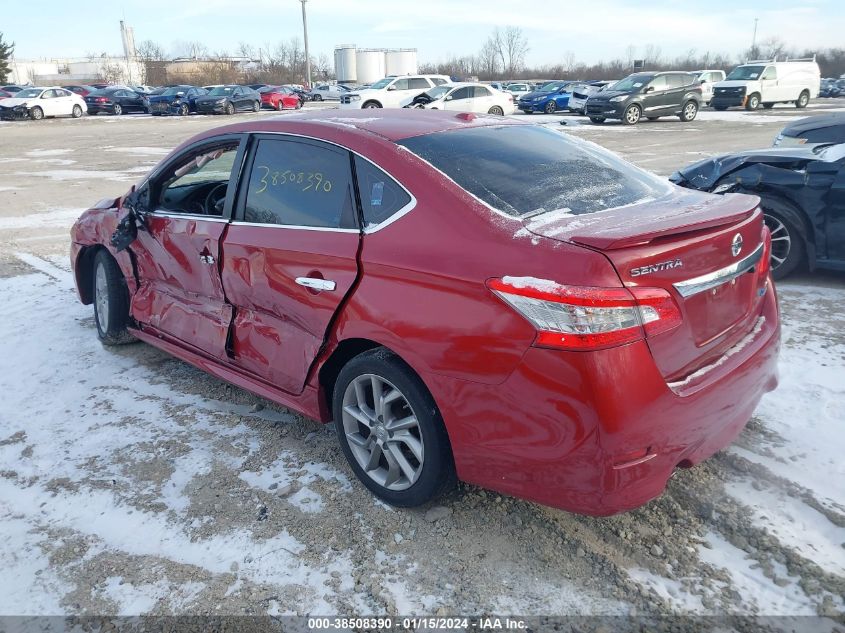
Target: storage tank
344, 64
401, 61
369, 65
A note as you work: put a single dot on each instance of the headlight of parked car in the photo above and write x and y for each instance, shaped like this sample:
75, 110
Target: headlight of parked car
618, 99
354, 97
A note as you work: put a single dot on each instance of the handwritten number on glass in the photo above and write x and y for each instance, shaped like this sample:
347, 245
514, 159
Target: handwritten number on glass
305, 181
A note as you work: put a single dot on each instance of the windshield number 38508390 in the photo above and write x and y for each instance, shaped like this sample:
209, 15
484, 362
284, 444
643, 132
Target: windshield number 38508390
306, 181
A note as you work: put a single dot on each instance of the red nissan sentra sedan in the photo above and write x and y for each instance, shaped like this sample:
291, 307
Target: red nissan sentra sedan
467, 297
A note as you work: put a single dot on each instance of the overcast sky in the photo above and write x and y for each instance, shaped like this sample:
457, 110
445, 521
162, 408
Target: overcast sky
592, 30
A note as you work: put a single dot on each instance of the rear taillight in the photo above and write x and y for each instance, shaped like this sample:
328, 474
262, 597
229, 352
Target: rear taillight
585, 317
101, 99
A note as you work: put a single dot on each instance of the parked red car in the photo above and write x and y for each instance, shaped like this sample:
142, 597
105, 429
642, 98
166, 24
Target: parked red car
279, 98
81, 90
465, 297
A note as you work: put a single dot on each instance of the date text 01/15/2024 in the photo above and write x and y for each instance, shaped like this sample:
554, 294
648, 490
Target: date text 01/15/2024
418, 623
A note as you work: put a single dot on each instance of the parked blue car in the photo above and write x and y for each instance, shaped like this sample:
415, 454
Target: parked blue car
549, 98
180, 100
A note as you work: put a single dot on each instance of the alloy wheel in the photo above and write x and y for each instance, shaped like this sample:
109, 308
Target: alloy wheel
690, 110
781, 240
632, 115
383, 432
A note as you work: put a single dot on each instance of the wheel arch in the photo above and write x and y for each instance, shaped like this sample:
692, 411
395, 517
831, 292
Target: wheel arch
84, 272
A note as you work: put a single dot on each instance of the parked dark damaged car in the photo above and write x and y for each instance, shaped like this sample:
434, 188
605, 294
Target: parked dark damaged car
802, 192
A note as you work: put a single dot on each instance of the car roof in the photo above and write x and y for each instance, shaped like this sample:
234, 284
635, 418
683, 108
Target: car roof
388, 124
815, 122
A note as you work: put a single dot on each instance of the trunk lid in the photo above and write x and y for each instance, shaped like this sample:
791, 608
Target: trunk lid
704, 250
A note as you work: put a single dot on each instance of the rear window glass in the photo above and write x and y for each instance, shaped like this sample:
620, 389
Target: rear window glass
527, 169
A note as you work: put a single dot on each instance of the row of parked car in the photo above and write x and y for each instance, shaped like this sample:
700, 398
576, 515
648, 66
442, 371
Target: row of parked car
20, 102
832, 87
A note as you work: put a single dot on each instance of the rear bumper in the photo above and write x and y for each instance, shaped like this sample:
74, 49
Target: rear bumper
600, 432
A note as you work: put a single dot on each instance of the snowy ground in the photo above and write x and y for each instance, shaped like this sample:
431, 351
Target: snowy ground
131, 483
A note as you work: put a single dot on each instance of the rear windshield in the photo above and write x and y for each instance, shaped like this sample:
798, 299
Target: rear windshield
523, 170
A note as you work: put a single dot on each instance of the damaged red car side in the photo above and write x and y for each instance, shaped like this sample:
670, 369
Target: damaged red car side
567, 329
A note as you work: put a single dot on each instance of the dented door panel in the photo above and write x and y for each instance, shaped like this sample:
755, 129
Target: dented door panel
280, 324
181, 292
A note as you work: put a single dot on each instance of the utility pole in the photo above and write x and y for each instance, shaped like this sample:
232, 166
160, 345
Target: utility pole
305, 37
753, 37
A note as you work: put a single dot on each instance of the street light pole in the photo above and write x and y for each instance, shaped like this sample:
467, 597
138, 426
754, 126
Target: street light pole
305, 37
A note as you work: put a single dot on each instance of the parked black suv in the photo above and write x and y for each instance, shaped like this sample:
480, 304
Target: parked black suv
650, 95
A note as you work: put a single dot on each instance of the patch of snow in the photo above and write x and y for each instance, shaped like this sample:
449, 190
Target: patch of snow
795, 524
37, 153
55, 217
541, 285
754, 587
669, 589
141, 151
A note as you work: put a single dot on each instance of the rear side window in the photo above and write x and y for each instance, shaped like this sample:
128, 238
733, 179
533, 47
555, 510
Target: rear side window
438, 82
678, 81
565, 173
295, 183
480, 91
419, 83
381, 196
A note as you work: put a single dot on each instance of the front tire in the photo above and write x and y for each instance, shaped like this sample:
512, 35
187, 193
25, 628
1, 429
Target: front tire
369, 105
689, 112
753, 102
391, 431
318, 97
111, 301
551, 108
632, 114
184, 109
803, 100
36, 113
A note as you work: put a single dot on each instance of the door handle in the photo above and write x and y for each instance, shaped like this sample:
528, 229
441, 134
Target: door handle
316, 284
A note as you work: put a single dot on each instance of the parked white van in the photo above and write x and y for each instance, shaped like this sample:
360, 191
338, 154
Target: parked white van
707, 79
391, 92
767, 82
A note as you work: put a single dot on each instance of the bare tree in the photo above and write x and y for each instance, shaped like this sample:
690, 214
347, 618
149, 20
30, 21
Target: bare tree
515, 46
488, 58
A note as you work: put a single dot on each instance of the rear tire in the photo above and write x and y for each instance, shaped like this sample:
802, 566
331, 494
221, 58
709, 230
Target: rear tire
496, 110
76, 112
256, 106
391, 431
111, 301
803, 100
788, 247
117, 109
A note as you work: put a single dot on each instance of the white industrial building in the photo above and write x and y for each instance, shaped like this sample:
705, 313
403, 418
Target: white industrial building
68, 71
353, 65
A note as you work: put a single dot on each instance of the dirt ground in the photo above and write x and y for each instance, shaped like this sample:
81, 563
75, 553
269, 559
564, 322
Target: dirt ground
132, 483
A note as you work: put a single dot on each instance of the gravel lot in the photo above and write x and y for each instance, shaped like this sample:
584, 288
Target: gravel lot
132, 483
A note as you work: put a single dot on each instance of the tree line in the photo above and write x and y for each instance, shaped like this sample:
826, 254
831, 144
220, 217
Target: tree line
502, 57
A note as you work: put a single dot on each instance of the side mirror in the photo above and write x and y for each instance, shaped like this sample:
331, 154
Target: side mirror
649, 89
449, 98
391, 88
702, 81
